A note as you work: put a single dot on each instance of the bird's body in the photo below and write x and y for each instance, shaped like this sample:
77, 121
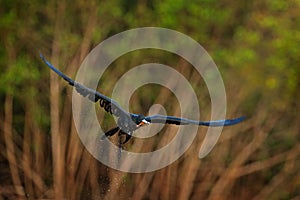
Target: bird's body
128, 122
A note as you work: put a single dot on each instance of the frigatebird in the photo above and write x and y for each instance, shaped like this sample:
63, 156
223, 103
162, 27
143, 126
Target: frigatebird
129, 122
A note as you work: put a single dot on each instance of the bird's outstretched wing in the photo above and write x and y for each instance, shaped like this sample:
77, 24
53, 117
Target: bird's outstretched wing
183, 121
107, 103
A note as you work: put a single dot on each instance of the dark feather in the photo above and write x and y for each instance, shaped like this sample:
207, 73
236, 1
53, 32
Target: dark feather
107, 103
183, 121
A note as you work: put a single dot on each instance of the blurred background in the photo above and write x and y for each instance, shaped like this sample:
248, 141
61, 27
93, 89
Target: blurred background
255, 45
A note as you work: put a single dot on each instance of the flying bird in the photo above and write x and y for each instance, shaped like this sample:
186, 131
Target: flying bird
129, 122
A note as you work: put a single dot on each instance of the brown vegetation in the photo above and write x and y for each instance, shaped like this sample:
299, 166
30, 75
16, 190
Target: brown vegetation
256, 47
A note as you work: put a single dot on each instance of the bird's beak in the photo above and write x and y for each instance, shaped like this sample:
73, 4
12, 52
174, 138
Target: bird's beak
143, 122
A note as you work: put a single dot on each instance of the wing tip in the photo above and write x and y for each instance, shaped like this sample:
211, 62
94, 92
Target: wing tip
235, 121
41, 55
242, 118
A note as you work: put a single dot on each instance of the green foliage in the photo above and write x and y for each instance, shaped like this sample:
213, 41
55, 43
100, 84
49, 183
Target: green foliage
255, 44
19, 72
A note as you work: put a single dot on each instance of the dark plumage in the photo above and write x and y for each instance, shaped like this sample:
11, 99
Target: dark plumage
129, 122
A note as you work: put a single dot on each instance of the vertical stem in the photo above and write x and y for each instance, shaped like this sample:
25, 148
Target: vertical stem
27, 156
58, 154
10, 150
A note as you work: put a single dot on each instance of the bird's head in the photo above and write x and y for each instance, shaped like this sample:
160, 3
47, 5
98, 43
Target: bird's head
139, 120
